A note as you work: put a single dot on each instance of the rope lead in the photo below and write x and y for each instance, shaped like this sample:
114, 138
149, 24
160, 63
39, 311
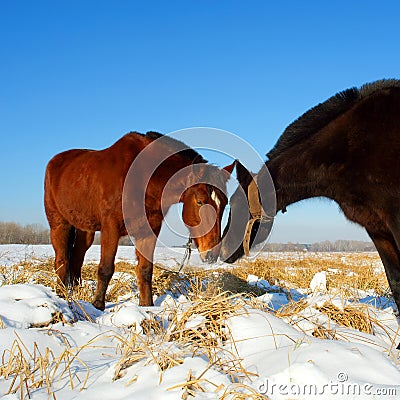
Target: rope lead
188, 253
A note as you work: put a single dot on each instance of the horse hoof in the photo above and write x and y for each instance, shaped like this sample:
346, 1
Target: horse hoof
100, 305
146, 303
62, 292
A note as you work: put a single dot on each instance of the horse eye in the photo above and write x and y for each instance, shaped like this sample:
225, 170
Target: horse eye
199, 203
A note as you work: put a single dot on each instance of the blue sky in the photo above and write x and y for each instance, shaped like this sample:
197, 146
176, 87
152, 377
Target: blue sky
80, 74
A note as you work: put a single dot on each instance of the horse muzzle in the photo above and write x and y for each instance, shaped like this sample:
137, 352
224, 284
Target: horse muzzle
209, 257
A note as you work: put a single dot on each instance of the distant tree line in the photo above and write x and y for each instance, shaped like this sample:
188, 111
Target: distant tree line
338, 245
123, 241
13, 233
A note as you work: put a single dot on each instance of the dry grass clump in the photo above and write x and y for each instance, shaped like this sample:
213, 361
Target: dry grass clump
165, 281
235, 282
196, 326
240, 391
190, 329
281, 271
293, 312
324, 333
149, 348
350, 316
292, 308
343, 271
29, 370
32, 271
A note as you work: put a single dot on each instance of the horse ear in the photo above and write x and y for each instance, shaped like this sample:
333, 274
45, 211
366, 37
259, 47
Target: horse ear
194, 174
229, 168
243, 175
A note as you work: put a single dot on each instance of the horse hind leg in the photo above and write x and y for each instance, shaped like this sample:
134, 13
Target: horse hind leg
83, 240
62, 237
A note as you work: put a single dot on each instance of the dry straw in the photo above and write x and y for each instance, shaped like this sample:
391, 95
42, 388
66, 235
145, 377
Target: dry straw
28, 370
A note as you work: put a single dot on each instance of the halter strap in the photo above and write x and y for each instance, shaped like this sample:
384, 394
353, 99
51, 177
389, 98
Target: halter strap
257, 213
253, 199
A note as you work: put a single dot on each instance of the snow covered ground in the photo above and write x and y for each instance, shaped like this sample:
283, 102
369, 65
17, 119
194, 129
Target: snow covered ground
169, 257
279, 357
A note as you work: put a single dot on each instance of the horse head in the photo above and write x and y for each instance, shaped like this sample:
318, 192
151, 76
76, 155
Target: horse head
204, 202
249, 223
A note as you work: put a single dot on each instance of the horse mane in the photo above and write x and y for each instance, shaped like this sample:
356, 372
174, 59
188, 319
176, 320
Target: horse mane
182, 148
211, 174
322, 114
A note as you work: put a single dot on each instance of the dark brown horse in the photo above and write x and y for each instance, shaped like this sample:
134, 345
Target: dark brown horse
84, 193
346, 149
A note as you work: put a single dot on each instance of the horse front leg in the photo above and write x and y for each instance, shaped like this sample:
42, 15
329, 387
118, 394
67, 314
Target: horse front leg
109, 246
144, 269
386, 246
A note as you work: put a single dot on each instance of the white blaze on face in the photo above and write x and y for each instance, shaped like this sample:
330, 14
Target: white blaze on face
215, 199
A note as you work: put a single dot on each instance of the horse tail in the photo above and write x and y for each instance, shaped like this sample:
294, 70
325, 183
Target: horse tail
71, 242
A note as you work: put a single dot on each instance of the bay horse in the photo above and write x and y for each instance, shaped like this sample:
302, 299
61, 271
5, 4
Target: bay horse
348, 150
84, 193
